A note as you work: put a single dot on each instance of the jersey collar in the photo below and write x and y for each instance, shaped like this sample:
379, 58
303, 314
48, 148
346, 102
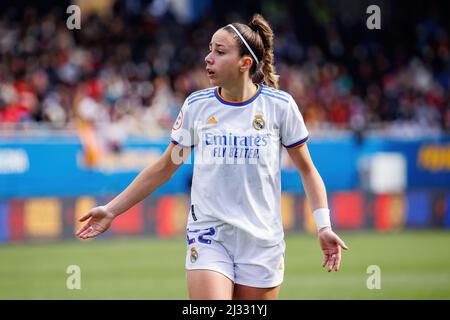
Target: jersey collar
237, 103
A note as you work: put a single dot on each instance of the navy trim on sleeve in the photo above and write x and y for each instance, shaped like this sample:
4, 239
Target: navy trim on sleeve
176, 143
297, 143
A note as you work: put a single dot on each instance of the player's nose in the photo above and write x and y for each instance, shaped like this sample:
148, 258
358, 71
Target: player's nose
208, 59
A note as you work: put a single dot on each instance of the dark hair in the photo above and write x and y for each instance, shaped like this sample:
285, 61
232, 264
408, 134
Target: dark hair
259, 37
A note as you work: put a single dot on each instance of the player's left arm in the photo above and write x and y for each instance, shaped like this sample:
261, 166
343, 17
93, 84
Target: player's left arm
316, 193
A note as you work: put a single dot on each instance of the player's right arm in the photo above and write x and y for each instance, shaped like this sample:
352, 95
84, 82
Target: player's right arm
148, 180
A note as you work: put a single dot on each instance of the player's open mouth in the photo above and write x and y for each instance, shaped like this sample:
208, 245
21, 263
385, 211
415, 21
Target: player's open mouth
210, 73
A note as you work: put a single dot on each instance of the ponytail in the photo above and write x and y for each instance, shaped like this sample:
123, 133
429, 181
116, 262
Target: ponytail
266, 72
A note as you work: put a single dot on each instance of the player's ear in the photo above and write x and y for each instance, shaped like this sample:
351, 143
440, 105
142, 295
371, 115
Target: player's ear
245, 63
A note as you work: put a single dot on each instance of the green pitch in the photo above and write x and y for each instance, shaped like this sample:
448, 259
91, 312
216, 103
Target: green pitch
413, 264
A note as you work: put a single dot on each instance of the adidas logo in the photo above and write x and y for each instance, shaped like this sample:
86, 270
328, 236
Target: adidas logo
211, 120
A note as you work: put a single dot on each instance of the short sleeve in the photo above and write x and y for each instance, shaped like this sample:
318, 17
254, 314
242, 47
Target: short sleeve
183, 132
293, 128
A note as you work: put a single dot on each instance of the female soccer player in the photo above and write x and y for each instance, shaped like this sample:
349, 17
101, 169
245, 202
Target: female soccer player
235, 239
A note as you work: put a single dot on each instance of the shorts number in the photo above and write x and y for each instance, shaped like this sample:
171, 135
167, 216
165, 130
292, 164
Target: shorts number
202, 235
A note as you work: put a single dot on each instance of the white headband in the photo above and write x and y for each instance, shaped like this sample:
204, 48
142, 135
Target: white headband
245, 42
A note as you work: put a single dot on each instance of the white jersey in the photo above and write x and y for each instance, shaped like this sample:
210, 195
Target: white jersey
237, 158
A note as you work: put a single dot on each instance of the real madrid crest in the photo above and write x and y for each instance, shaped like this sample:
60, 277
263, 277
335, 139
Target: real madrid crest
258, 122
194, 254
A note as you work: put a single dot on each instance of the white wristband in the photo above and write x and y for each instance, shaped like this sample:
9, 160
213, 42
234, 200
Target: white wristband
322, 218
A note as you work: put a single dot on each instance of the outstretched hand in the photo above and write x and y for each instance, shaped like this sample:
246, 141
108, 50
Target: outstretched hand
331, 246
100, 220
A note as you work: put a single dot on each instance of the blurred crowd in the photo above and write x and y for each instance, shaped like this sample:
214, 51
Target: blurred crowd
127, 71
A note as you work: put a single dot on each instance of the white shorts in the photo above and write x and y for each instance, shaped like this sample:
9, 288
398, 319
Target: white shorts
237, 255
